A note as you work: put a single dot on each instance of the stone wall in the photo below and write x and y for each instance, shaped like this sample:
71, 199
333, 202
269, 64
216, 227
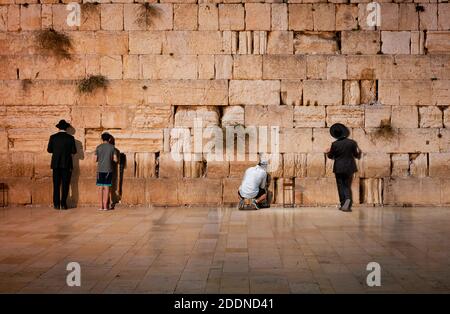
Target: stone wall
299, 64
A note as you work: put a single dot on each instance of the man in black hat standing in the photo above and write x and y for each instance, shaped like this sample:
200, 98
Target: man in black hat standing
343, 151
62, 146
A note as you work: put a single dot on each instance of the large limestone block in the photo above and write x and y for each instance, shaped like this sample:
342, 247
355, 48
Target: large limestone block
217, 169
430, 117
360, 42
324, 16
291, 92
42, 192
352, 93
28, 139
111, 43
247, 67
296, 140
185, 16
208, 16
145, 165
128, 141
232, 116
444, 140
400, 165
412, 191
30, 17
230, 190
300, 17
443, 14
374, 115
237, 168
346, 17
111, 17
284, 67
85, 192
368, 91
159, 18
86, 166
336, 67
279, 16
370, 142
375, 165
411, 67
294, 165
418, 140
389, 16
161, 67
231, 17
428, 17
257, 16
438, 42
111, 67
197, 42
248, 92
408, 17
445, 191
440, 66
169, 167
315, 165
206, 67
223, 67
309, 116
405, 93
162, 192
405, 117
419, 165
3, 139
19, 190
321, 191
151, 116
322, 139
438, 167
395, 42
351, 116
371, 191
440, 94
194, 168
36, 66
315, 43
146, 42
35, 116
186, 116
316, 67
200, 191
278, 43
281, 116
116, 117
85, 117
313, 92
133, 191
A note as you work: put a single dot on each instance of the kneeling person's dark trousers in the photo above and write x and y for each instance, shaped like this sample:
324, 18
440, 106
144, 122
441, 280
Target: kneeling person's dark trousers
344, 186
61, 183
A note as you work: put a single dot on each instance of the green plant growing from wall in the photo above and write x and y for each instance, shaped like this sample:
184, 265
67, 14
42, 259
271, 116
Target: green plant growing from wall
56, 43
146, 13
92, 83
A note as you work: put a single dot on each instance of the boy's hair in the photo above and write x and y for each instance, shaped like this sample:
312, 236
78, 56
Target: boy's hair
106, 137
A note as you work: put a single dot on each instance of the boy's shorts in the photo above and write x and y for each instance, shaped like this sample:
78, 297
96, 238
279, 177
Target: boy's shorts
104, 178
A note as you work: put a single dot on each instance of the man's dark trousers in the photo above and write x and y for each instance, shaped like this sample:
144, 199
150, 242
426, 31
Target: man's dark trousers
61, 184
344, 186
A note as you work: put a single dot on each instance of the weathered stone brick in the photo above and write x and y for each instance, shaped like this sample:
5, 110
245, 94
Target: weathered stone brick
352, 94
418, 141
315, 165
3, 18
129, 141
309, 116
406, 93
111, 67
389, 16
206, 67
443, 14
375, 165
417, 191
281, 116
208, 17
197, 42
230, 190
404, 117
279, 16
321, 191
185, 16
294, 165
42, 165
371, 191
313, 92
151, 116
35, 116
360, 42
291, 92
160, 67
408, 17
85, 117
395, 42
438, 42
336, 68
247, 67
300, 17
430, 117
257, 16
30, 17
28, 140
146, 42
346, 17
254, 92
438, 167
374, 115
19, 190
351, 116
186, 116
160, 17
111, 43
316, 67
131, 67
419, 165
237, 168
296, 140
410, 67
324, 16
13, 18
368, 91
284, 67
428, 17
168, 167
112, 17
370, 142
400, 165
233, 115
231, 17
217, 169
315, 43
417, 43
279, 42
223, 65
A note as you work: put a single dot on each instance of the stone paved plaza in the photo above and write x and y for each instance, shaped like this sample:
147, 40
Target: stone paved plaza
223, 250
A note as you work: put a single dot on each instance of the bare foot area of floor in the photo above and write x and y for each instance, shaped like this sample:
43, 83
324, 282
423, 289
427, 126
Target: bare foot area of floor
223, 250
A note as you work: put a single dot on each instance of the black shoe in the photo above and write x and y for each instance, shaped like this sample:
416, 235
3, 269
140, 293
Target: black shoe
56, 207
346, 205
64, 207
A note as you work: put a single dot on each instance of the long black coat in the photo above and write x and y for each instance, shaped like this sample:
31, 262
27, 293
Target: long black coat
62, 145
344, 151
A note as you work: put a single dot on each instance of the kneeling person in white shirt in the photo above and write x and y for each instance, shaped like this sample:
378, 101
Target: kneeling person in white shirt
254, 183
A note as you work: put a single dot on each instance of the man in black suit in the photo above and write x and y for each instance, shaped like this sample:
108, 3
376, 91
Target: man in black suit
62, 146
343, 151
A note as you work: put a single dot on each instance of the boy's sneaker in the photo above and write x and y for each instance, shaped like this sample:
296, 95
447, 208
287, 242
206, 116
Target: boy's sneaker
255, 204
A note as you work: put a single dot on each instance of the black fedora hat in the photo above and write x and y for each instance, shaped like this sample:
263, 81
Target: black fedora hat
338, 130
63, 125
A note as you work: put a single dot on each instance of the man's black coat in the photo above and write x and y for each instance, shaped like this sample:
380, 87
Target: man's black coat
62, 145
344, 151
